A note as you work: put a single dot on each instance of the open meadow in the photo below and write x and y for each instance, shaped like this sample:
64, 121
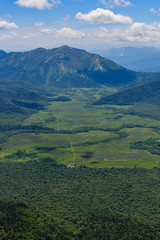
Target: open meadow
76, 132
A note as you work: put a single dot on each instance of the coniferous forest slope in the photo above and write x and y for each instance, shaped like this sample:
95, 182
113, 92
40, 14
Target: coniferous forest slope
19, 99
147, 92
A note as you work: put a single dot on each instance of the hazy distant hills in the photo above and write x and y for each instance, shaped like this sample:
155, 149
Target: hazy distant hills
146, 59
148, 92
62, 67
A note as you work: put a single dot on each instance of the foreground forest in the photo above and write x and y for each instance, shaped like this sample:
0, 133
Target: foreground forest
86, 203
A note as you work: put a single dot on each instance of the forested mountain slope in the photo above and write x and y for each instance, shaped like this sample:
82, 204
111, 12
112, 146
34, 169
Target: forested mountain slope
18, 99
62, 67
148, 92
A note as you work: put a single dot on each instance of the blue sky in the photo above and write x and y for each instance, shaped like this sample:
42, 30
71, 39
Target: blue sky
88, 24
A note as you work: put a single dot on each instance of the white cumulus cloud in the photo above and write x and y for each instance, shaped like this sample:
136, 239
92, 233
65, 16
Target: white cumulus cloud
116, 3
155, 12
70, 33
136, 33
30, 35
103, 16
5, 36
39, 24
67, 17
14, 34
46, 30
7, 25
38, 4
11, 35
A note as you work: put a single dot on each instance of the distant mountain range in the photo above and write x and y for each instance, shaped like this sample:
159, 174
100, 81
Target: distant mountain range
62, 67
146, 59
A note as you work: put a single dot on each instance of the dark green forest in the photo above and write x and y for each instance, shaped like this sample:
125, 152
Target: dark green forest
147, 92
152, 145
86, 203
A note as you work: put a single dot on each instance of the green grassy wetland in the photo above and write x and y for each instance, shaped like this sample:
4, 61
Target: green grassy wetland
76, 132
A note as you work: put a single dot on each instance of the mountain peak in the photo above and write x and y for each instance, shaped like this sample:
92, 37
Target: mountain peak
64, 47
2, 52
63, 67
38, 50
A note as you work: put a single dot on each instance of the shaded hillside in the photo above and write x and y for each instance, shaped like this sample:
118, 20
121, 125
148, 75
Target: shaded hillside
17, 103
13, 91
62, 67
9, 107
148, 92
15, 99
18, 221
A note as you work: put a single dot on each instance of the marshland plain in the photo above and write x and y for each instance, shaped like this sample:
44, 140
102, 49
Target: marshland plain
78, 133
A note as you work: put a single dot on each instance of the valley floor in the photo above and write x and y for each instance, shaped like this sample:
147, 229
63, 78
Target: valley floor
78, 133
